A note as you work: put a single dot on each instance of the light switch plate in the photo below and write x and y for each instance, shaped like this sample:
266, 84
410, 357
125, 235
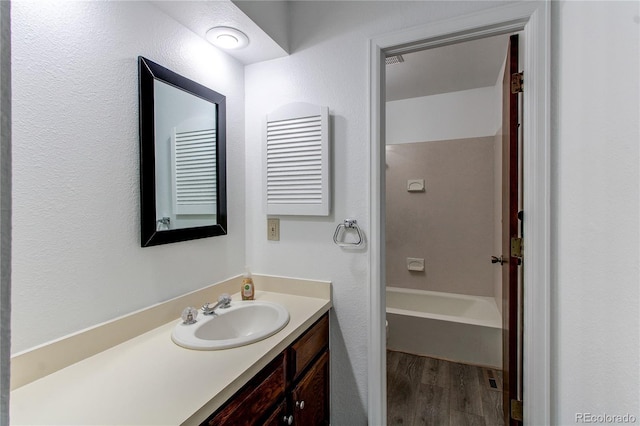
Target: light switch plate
273, 229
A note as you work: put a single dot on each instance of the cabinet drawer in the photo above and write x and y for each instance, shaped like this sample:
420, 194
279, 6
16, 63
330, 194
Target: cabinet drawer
248, 406
308, 346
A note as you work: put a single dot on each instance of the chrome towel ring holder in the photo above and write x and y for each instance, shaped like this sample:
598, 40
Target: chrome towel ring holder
342, 227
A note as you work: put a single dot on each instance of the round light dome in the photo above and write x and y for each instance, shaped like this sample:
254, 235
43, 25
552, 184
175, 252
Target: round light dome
227, 38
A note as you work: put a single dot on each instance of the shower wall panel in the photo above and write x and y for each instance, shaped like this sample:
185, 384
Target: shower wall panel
450, 224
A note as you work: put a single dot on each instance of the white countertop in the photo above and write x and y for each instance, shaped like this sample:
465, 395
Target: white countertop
149, 380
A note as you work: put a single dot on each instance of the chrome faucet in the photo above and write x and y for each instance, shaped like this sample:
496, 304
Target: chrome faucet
224, 301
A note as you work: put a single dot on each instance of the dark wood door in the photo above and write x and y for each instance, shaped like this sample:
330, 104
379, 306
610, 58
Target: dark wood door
510, 208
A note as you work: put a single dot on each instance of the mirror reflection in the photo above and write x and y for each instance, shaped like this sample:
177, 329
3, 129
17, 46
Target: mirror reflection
185, 145
182, 143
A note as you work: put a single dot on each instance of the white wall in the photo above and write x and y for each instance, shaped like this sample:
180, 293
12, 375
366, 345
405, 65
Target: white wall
595, 209
328, 66
271, 16
594, 181
456, 115
76, 252
77, 259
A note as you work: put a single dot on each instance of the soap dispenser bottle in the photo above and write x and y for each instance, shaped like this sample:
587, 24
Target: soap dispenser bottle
248, 290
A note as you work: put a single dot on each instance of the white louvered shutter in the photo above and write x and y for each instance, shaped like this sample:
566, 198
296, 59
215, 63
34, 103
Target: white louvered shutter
194, 172
297, 160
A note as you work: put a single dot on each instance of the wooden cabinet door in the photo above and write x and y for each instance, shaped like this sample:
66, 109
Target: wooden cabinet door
255, 399
310, 398
280, 416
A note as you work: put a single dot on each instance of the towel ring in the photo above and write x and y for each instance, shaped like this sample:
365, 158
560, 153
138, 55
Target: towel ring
348, 224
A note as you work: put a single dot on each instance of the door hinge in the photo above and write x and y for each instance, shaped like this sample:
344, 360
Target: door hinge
517, 247
517, 82
516, 410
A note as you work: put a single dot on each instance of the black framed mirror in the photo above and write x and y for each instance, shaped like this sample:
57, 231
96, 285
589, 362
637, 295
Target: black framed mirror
183, 191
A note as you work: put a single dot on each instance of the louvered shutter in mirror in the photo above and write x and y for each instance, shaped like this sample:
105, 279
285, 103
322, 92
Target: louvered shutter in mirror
194, 172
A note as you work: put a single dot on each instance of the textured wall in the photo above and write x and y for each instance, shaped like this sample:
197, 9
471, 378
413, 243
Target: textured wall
595, 184
329, 66
451, 224
5, 209
595, 209
77, 259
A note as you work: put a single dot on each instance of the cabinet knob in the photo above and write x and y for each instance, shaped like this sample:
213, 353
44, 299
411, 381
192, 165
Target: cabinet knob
288, 420
300, 405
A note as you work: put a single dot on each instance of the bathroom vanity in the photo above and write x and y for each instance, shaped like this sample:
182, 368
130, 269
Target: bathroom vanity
149, 380
292, 389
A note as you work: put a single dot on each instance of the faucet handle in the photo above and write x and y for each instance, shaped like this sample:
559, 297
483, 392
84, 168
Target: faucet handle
224, 300
189, 315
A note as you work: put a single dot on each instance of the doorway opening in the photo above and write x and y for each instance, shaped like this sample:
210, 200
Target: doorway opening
444, 250
532, 20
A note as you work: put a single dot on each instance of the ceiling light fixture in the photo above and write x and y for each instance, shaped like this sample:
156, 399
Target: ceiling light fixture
227, 37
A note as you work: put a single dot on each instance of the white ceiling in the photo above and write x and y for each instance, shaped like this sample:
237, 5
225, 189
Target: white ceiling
464, 66
200, 16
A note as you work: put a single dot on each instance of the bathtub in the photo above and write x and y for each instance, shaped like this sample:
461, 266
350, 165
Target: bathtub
449, 326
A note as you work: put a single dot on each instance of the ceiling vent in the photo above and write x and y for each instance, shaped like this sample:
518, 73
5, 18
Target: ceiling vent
390, 60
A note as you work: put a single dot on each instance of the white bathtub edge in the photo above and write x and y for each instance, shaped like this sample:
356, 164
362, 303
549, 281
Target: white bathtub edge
469, 340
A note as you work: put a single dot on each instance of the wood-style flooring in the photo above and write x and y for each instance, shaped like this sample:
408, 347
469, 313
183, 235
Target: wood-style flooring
429, 391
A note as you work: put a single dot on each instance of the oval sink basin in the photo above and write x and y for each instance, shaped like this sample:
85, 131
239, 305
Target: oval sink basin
242, 323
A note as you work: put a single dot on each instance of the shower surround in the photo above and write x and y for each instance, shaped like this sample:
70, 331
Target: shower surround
450, 224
